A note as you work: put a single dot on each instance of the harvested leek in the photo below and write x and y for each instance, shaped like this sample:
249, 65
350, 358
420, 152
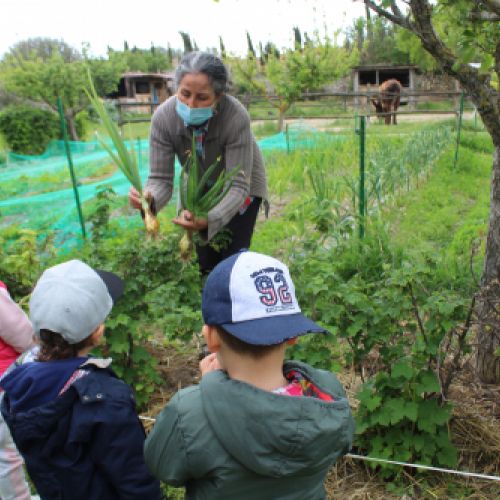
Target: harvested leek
196, 197
123, 158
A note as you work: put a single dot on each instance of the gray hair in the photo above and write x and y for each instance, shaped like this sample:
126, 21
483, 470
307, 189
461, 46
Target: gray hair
206, 63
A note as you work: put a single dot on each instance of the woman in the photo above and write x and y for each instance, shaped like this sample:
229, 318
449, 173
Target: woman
221, 127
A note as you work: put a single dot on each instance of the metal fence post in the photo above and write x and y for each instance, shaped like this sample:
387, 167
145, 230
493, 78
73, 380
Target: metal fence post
459, 127
70, 164
139, 154
362, 202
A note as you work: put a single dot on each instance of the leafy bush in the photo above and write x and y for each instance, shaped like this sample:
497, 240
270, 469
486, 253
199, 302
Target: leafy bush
23, 256
161, 302
82, 124
28, 130
389, 313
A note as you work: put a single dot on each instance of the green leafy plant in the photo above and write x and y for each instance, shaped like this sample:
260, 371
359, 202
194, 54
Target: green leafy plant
161, 301
123, 158
395, 314
27, 129
197, 195
23, 256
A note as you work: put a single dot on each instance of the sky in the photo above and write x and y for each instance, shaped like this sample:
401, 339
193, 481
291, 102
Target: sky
103, 23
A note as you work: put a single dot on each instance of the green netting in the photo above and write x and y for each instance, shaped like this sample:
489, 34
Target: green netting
36, 191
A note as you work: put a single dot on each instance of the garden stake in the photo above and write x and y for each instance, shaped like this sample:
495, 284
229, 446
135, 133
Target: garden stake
362, 140
459, 126
70, 164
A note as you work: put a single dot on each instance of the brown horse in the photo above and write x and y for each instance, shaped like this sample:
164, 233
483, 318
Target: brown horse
388, 100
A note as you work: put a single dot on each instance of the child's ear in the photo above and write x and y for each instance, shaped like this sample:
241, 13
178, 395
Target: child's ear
292, 341
97, 334
211, 338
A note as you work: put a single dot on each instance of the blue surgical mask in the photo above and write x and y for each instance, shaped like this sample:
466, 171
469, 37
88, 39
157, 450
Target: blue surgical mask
193, 116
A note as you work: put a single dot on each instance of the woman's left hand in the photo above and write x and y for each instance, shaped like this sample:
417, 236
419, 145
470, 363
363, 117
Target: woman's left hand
187, 220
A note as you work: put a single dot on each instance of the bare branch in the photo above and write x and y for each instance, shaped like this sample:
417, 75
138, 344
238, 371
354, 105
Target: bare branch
484, 16
461, 332
493, 6
395, 9
395, 18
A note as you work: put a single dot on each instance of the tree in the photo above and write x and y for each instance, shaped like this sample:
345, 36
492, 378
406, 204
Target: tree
43, 49
294, 72
186, 40
297, 37
43, 80
456, 33
250, 49
375, 40
222, 48
152, 60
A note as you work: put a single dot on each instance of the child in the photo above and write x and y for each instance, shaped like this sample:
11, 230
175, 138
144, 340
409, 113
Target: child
72, 420
255, 427
16, 335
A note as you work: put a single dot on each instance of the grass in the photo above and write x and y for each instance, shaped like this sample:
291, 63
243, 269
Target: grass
265, 129
139, 130
445, 211
291, 192
450, 209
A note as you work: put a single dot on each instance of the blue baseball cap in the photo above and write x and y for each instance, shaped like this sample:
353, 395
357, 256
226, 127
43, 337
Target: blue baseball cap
252, 296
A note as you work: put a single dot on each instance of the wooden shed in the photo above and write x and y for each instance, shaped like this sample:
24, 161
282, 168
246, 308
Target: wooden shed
367, 78
137, 87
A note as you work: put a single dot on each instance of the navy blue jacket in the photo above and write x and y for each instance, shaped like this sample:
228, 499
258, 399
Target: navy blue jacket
85, 444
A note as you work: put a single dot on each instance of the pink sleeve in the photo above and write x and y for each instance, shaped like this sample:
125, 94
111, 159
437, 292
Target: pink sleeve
15, 327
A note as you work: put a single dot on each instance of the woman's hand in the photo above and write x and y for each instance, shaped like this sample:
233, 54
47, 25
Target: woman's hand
134, 198
209, 363
186, 220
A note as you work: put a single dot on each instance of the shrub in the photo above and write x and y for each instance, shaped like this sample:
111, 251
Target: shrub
28, 130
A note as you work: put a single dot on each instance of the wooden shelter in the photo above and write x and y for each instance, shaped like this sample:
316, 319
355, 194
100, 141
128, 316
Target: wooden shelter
367, 79
135, 88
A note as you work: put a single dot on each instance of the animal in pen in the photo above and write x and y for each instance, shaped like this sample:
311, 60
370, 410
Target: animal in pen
388, 100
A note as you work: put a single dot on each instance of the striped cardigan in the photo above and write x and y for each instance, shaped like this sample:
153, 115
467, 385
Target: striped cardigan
229, 137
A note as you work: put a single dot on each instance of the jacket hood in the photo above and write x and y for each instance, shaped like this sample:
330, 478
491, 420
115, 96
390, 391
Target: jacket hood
34, 384
277, 435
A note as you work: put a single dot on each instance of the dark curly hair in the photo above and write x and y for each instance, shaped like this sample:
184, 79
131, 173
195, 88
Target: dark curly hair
53, 347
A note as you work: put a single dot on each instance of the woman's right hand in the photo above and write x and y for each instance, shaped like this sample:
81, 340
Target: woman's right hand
134, 198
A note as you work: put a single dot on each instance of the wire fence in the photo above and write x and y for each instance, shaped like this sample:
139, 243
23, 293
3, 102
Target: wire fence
29, 184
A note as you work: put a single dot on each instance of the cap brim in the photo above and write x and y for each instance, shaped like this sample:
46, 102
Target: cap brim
114, 284
274, 330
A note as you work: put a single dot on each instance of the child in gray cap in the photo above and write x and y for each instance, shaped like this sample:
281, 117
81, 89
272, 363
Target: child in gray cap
73, 421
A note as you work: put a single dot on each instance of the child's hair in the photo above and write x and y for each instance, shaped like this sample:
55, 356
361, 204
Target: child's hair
241, 347
53, 347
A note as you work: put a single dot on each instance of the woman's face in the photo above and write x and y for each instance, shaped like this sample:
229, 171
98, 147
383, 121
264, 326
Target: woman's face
195, 91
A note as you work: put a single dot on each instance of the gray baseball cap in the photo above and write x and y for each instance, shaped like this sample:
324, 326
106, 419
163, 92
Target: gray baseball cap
73, 299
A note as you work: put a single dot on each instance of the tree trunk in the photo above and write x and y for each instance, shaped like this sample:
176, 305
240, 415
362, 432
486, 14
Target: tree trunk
281, 120
70, 120
488, 308
487, 101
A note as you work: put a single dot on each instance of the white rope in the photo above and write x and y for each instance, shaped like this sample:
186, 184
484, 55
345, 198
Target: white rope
427, 467
404, 464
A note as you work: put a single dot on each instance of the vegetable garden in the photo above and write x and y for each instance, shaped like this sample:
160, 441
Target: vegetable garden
397, 300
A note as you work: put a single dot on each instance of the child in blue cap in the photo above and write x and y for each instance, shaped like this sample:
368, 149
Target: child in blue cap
73, 421
256, 427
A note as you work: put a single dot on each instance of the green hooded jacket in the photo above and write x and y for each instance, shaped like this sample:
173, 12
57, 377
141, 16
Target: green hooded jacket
225, 439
